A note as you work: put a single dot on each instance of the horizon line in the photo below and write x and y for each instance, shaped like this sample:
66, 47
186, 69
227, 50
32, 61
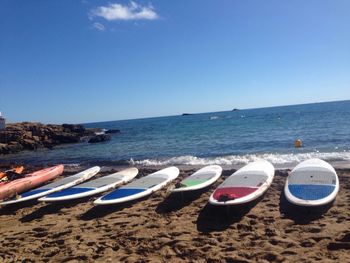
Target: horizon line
195, 113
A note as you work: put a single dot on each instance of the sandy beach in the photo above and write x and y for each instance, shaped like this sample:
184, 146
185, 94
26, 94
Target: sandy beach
175, 228
154, 84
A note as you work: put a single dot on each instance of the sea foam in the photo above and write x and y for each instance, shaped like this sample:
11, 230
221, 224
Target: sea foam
238, 160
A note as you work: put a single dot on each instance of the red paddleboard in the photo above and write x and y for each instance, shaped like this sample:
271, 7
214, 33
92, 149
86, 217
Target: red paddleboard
245, 185
30, 181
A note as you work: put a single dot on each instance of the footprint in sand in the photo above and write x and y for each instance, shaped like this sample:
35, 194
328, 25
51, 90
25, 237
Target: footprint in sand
269, 220
314, 230
289, 253
252, 216
41, 234
59, 234
52, 252
308, 243
270, 232
319, 238
342, 242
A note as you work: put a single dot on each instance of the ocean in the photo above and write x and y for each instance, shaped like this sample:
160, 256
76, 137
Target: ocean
228, 138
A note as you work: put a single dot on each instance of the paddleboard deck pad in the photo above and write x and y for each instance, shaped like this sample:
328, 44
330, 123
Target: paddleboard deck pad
140, 188
313, 182
93, 187
245, 185
200, 179
55, 186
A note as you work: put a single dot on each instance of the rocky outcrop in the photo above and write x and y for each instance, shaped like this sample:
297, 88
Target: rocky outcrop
31, 136
111, 131
100, 138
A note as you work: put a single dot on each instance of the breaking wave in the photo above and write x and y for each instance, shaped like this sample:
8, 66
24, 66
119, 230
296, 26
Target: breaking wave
232, 160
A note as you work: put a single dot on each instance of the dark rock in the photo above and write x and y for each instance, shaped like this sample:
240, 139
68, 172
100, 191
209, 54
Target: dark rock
36, 130
3, 148
65, 137
92, 131
86, 138
14, 147
31, 136
112, 131
36, 138
100, 138
73, 128
49, 143
187, 114
30, 144
8, 136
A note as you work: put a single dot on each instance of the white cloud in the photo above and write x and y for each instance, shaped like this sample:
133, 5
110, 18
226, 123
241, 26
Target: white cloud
99, 26
133, 11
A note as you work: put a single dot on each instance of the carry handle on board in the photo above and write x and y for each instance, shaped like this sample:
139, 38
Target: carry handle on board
226, 197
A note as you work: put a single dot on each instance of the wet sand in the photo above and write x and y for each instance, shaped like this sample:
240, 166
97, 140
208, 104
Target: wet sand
177, 228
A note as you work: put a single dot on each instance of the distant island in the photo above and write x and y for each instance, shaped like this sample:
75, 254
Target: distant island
186, 114
235, 109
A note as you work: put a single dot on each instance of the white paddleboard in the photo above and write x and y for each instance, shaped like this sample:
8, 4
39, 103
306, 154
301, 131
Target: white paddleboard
245, 185
93, 187
313, 182
55, 186
200, 179
140, 188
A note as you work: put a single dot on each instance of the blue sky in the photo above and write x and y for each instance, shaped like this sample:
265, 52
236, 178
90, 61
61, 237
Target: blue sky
86, 61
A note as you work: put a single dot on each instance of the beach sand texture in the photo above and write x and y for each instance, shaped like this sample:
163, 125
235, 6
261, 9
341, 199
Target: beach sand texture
173, 228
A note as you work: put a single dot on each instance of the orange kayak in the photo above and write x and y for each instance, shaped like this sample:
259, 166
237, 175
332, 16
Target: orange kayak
30, 181
18, 170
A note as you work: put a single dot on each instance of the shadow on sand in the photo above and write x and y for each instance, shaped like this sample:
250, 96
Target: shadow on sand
50, 208
177, 201
103, 210
13, 208
219, 218
299, 214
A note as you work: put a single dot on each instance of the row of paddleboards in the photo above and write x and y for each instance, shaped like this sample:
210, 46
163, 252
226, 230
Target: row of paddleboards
311, 183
